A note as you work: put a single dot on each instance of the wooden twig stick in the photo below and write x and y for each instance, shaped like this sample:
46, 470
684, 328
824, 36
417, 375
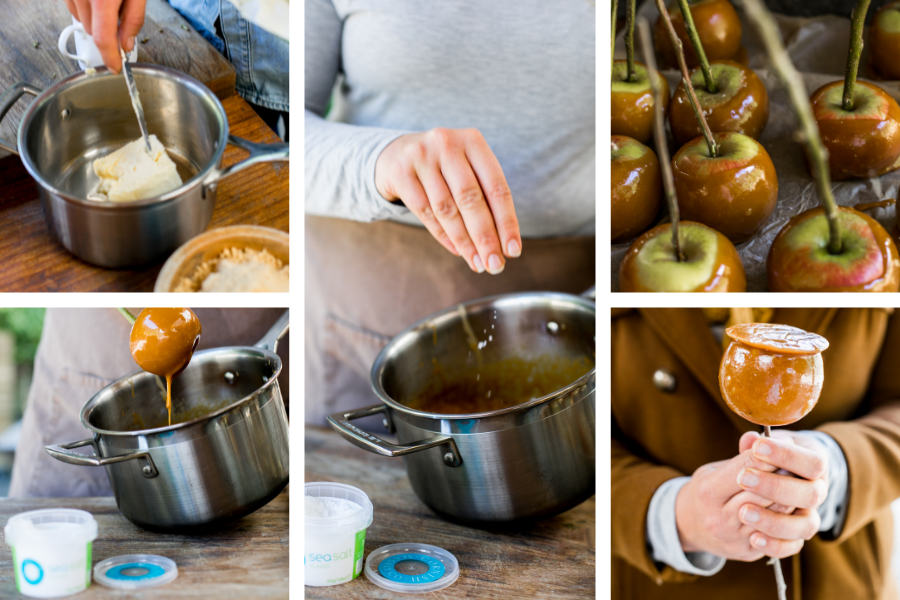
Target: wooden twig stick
629, 38
659, 135
686, 77
816, 151
612, 53
857, 22
698, 46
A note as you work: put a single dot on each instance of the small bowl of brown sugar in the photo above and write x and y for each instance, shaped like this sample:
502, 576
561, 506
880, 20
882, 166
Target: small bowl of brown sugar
241, 258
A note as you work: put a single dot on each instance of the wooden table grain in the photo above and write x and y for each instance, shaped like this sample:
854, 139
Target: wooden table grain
552, 560
246, 560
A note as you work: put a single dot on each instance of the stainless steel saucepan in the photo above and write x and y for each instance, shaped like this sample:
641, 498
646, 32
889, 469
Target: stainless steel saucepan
229, 459
529, 461
84, 117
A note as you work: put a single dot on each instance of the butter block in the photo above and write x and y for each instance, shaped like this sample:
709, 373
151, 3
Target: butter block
131, 173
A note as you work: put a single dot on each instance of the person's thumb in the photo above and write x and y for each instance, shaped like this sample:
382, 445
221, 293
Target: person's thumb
131, 19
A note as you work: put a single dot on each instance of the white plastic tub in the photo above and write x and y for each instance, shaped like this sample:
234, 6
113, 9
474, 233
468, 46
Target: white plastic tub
334, 546
51, 551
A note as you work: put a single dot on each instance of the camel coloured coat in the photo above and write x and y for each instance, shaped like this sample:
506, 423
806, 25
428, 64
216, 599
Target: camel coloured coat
658, 435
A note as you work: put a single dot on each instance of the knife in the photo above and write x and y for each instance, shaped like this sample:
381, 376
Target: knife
135, 98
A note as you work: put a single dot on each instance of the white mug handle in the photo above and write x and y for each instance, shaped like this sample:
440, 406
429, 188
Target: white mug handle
64, 40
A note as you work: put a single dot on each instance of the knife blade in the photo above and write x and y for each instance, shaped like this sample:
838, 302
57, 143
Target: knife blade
135, 98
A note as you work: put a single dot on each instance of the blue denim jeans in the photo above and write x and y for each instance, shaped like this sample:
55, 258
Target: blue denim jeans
259, 57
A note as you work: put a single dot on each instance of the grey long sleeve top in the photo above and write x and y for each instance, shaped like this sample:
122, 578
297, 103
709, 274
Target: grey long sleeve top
520, 71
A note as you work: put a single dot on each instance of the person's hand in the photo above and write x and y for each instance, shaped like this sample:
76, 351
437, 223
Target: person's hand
716, 514
453, 183
101, 20
801, 477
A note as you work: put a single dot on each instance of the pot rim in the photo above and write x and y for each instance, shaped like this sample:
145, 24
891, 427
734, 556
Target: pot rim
185, 424
378, 366
182, 78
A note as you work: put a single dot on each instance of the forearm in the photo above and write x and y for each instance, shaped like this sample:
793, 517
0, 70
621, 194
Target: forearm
340, 170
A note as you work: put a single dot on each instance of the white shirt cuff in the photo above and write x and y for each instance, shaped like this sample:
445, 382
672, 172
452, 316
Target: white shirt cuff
662, 534
834, 510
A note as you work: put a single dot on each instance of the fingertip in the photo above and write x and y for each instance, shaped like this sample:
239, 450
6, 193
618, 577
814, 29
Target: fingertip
513, 248
758, 540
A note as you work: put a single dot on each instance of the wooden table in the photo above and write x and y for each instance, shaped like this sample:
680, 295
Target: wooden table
246, 560
553, 560
32, 261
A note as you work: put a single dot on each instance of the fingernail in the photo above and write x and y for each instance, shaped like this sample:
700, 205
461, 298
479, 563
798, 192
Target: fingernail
513, 249
747, 479
760, 542
495, 265
763, 449
751, 515
479, 266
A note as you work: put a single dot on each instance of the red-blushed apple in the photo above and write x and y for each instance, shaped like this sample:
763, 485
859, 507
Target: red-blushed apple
863, 142
711, 263
799, 259
734, 192
632, 101
739, 104
718, 27
636, 188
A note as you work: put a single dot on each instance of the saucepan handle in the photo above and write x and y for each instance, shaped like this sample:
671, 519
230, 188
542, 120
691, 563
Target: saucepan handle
10, 97
367, 441
275, 333
63, 452
259, 153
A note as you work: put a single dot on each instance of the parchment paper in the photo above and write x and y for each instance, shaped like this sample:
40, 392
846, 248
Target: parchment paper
818, 48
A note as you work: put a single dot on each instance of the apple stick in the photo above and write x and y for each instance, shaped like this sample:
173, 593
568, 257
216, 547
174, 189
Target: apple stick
780, 585
698, 46
816, 152
629, 38
686, 77
858, 21
659, 136
612, 54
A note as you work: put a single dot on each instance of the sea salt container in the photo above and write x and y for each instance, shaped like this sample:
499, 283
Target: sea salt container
51, 551
336, 519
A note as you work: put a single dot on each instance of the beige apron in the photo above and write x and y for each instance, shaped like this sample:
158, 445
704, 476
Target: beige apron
366, 282
81, 351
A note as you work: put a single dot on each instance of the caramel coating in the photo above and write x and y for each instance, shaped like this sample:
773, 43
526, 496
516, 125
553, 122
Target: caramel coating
636, 192
718, 27
733, 193
863, 143
777, 338
770, 388
726, 275
163, 340
632, 105
740, 104
884, 42
785, 262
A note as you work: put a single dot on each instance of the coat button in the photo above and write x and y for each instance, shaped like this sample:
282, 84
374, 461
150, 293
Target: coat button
664, 381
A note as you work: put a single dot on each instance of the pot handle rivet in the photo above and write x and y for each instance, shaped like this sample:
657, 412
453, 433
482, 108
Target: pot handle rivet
64, 114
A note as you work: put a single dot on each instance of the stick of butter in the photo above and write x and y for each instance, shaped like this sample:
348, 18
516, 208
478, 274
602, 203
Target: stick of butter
132, 173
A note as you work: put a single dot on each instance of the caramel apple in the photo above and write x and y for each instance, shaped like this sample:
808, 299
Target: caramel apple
632, 102
884, 42
733, 192
772, 374
739, 103
864, 141
636, 188
800, 259
709, 262
163, 341
718, 27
